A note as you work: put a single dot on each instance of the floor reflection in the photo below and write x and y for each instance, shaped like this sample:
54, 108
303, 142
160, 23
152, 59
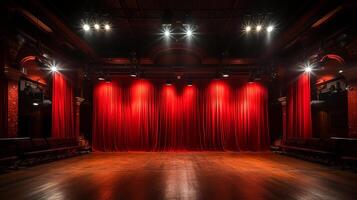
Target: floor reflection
201, 176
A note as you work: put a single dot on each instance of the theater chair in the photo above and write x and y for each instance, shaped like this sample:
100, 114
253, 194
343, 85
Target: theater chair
8, 153
314, 149
36, 150
347, 151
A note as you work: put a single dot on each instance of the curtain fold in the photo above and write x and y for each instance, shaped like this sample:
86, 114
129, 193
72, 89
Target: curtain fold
151, 116
299, 108
62, 107
3, 106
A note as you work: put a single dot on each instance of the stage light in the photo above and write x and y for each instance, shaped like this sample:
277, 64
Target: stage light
225, 75
96, 26
258, 28
189, 83
86, 27
167, 33
189, 33
248, 28
308, 69
341, 71
101, 79
270, 29
35, 104
107, 27
168, 83
54, 68
133, 74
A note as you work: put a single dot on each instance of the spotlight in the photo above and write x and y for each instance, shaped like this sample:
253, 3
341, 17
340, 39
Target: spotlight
308, 69
248, 28
341, 71
133, 74
107, 27
167, 33
258, 28
35, 104
101, 79
225, 75
270, 29
189, 83
189, 32
168, 83
86, 27
54, 68
96, 26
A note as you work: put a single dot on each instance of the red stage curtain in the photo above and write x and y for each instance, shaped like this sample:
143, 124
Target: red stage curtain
3, 106
62, 107
147, 115
299, 108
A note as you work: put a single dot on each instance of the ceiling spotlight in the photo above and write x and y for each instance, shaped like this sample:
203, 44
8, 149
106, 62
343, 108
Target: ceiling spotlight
341, 71
133, 74
308, 69
107, 27
168, 83
101, 79
96, 26
35, 104
189, 33
258, 28
86, 27
167, 33
270, 29
54, 68
248, 28
225, 75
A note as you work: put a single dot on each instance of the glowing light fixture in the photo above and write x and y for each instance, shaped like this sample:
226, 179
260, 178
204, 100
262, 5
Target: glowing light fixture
225, 75
101, 79
133, 74
107, 27
86, 27
270, 29
341, 71
189, 32
308, 69
35, 104
189, 83
248, 28
168, 83
96, 26
167, 33
54, 68
258, 28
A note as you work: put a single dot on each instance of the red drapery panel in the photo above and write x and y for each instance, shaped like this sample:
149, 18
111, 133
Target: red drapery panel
3, 106
62, 107
299, 108
152, 116
352, 113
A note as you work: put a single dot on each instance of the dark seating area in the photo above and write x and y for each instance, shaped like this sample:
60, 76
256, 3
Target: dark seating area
330, 151
16, 152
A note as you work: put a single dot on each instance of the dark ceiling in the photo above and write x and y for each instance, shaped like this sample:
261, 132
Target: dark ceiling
137, 23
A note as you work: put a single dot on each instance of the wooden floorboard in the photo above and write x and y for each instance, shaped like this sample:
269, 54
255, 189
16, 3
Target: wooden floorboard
183, 175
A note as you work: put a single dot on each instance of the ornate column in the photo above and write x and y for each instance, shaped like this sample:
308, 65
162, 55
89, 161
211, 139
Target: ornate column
79, 101
282, 100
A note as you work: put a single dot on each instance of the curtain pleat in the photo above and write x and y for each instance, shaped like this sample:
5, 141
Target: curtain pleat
62, 107
151, 116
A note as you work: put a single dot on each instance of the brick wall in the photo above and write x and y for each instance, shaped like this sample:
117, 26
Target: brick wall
13, 105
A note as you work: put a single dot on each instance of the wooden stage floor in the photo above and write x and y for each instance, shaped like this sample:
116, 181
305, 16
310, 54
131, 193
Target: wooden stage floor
186, 175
